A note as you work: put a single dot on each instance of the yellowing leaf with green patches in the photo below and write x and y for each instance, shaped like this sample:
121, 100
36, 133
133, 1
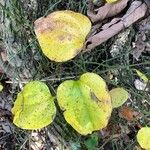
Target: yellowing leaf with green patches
143, 137
62, 34
118, 96
34, 107
86, 103
111, 1
142, 75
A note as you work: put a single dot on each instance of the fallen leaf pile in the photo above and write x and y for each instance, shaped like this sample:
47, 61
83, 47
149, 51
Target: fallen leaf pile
107, 29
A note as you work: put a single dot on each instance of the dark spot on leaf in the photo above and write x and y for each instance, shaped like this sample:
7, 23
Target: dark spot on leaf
94, 98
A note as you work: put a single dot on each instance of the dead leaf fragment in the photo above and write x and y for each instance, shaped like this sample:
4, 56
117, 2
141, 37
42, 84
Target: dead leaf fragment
136, 11
108, 10
129, 114
137, 148
37, 142
141, 86
3, 56
140, 45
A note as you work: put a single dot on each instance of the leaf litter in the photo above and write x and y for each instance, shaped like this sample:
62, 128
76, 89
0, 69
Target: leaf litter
136, 11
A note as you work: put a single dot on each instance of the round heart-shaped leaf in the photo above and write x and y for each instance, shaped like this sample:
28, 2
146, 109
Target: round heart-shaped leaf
118, 96
143, 137
34, 107
86, 103
62, 34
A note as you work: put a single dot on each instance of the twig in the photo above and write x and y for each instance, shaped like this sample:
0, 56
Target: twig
43, 80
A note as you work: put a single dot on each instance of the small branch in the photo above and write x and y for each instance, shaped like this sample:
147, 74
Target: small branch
43, 80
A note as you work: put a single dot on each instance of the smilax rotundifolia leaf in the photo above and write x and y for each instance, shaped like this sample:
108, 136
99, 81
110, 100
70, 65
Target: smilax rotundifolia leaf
34, 107
62, 34
118, 96
143, 137
86, 103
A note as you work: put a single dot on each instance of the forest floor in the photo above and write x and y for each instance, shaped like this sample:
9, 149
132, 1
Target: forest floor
21, 60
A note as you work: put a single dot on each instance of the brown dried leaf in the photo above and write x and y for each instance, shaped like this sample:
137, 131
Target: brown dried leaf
3, 56
139, 48
104, 35
129, 114
111, 129
37, 142
140, 45
108, 10
147, 3
136, 11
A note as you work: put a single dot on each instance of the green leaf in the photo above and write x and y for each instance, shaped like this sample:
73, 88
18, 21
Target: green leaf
143, 137
34, 107
86, 103
118, 96
1, 87
92, 142
142, 75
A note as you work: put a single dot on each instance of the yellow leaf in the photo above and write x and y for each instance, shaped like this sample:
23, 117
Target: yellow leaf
86, 103
118, 97
111, 1
34, 107
95, 1
1, 87
142, 75
143, 137
62, 34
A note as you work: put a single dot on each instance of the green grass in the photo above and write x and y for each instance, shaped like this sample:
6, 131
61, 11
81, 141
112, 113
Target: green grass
26, 62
